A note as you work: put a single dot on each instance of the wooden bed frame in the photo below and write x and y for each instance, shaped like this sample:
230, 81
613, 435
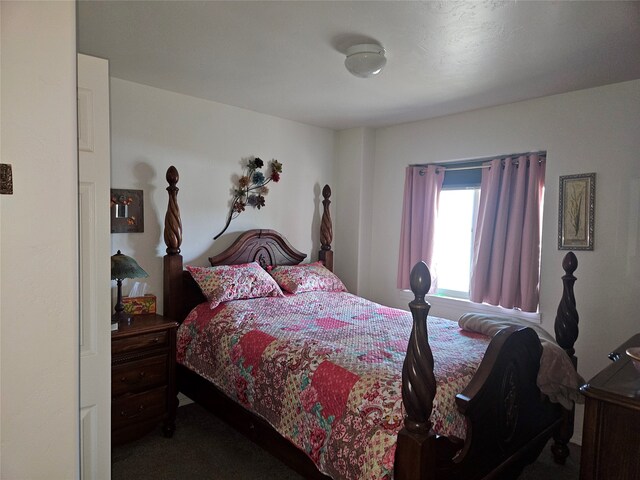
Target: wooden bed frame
508, 419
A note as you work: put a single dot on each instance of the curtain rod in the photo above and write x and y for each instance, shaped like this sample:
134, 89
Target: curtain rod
451, 169
483, 159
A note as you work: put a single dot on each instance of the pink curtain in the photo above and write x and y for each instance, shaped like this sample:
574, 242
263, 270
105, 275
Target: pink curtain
506, 257
422, 187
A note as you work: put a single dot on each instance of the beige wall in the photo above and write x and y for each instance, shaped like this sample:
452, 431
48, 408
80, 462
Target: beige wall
38, 243
206, 141
353, 192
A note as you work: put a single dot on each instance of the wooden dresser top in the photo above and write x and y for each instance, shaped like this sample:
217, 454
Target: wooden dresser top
618, 383
140, 324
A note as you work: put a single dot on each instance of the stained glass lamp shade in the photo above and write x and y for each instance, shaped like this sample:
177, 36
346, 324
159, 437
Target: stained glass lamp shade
123, 267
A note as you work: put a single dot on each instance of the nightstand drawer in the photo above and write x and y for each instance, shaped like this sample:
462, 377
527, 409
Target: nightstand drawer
143, 379
139, 342
138, 375
138, 407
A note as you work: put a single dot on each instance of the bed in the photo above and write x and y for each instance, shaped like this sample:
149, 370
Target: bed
501, 420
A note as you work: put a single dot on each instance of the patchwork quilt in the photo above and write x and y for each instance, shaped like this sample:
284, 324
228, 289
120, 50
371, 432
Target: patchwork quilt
324, 369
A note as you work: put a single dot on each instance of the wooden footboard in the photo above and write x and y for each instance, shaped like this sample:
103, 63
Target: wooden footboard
508, 419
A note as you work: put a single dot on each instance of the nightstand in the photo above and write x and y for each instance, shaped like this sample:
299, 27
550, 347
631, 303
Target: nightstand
143, 387
610, 445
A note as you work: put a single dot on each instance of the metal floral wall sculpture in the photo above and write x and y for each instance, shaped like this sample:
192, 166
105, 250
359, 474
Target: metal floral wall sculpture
252, 188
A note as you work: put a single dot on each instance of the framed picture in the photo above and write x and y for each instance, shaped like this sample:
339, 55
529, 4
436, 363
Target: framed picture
576, 212
127, 212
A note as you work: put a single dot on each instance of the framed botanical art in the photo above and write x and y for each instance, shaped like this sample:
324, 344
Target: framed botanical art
576, 211
126, 211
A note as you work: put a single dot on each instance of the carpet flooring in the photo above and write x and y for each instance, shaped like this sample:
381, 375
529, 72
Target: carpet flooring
204, 447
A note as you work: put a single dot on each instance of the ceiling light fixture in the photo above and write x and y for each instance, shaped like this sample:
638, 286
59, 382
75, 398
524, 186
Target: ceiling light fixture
365, 60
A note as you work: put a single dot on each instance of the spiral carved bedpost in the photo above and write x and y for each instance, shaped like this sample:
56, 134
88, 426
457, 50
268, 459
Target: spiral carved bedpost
326, 231
173, 240
566, 329
566, 324
415, 452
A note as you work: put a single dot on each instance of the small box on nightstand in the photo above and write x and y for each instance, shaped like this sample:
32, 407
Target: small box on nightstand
139, 305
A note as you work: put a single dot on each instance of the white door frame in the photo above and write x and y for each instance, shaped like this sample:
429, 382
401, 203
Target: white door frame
94, 171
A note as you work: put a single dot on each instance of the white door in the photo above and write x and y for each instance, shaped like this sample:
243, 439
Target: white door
95, 268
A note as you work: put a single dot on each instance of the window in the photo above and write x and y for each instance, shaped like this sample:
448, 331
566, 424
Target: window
455, 230
497, 263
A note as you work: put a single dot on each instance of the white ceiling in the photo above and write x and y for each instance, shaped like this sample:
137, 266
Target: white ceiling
286, 58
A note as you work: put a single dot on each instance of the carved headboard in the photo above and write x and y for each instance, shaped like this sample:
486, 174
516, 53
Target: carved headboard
267, 247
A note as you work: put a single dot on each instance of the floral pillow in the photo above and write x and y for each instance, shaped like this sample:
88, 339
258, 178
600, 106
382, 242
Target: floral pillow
309, 277
234, 282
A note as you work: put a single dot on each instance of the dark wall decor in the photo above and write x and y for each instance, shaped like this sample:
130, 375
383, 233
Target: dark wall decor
251, 188
6, 179
127, 212
576, 211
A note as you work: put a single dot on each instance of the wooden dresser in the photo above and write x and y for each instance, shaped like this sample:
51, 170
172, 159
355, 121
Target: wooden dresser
611, 436
143, 387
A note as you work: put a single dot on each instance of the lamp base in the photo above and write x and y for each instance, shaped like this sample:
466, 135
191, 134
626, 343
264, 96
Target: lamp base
119, 317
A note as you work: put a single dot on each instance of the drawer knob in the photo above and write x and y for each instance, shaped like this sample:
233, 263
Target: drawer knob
141, 375
156, 340
123, 413
614, 356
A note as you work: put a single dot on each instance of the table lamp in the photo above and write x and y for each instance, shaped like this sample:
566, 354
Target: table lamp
123, 267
